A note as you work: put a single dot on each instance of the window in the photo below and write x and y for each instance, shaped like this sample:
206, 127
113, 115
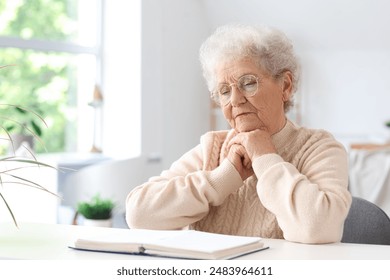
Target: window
55, 47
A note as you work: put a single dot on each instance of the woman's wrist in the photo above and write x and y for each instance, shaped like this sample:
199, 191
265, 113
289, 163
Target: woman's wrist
225, 178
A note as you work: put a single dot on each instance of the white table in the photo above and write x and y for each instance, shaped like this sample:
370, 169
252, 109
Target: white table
50, 242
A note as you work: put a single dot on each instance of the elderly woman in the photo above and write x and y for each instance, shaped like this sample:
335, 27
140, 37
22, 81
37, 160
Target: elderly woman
266, 176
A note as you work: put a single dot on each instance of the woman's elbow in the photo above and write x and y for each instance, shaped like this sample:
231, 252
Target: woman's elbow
135, 213
315, 235
325, 228
136, 218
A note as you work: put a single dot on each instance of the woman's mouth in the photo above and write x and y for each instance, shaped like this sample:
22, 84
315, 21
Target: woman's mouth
243, 114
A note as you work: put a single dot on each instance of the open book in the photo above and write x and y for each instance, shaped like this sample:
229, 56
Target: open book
172, 243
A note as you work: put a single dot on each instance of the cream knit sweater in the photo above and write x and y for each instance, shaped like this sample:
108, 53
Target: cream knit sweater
299, 194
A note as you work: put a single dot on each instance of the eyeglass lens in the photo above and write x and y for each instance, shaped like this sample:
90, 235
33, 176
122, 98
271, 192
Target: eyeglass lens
247, 85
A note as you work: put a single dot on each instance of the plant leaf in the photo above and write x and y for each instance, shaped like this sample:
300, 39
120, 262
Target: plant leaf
30, 161
20, 110
9, 209
36, 128
31, 184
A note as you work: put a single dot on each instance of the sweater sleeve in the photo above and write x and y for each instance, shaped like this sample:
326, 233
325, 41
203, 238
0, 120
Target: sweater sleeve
311, 203
181, 195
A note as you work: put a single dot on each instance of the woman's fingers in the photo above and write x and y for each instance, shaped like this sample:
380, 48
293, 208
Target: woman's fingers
239, 158
256, 143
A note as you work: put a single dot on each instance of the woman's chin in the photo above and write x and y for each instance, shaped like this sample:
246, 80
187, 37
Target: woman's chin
246, 123
248, 128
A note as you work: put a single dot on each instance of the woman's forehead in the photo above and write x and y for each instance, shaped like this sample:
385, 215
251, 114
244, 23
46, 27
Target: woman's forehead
234, 69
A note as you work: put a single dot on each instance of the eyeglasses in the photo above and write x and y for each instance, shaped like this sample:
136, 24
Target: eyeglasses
247, 85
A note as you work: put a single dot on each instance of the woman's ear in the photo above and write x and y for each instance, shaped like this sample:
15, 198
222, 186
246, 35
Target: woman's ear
287, 85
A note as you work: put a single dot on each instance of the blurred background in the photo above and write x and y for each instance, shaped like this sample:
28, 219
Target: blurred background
118, 80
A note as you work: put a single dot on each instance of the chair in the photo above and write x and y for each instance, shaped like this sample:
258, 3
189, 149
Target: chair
112, 179
366, 223
369, 175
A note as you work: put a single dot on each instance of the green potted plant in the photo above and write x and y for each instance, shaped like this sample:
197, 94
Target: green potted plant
97, 211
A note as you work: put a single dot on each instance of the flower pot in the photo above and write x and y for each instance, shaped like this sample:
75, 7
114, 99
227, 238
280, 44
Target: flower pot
17, 141
97, 223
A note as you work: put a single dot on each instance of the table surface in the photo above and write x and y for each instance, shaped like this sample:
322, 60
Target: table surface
50, 242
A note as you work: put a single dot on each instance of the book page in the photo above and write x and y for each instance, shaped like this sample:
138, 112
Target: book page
203, 241
133, 236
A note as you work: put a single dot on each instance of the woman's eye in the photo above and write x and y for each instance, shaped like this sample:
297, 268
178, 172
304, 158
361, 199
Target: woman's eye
249, 83
224, 91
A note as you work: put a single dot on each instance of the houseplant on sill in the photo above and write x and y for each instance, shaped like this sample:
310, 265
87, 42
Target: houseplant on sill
96, 212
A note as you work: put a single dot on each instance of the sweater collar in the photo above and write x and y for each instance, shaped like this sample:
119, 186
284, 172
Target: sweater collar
282, 138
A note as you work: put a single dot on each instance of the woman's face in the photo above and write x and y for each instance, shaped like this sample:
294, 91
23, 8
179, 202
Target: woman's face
265, 109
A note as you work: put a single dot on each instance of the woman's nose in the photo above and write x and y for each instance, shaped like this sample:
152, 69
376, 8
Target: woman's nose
236, 97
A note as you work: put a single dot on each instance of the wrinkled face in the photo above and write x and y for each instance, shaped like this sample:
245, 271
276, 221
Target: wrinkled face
264, 110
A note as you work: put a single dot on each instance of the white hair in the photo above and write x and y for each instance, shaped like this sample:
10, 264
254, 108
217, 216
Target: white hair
268, 47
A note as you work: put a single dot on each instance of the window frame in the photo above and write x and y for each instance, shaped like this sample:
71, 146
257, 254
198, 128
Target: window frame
41, 45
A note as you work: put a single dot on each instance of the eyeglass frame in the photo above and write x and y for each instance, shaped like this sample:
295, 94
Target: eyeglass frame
216, 96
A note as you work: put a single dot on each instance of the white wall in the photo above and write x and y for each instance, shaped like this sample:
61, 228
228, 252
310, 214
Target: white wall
347, 92
175, 100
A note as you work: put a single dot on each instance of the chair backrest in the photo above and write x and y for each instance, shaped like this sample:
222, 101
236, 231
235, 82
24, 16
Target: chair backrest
366, 223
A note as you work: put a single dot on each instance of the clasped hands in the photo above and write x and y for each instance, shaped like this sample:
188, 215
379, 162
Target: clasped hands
245, 147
